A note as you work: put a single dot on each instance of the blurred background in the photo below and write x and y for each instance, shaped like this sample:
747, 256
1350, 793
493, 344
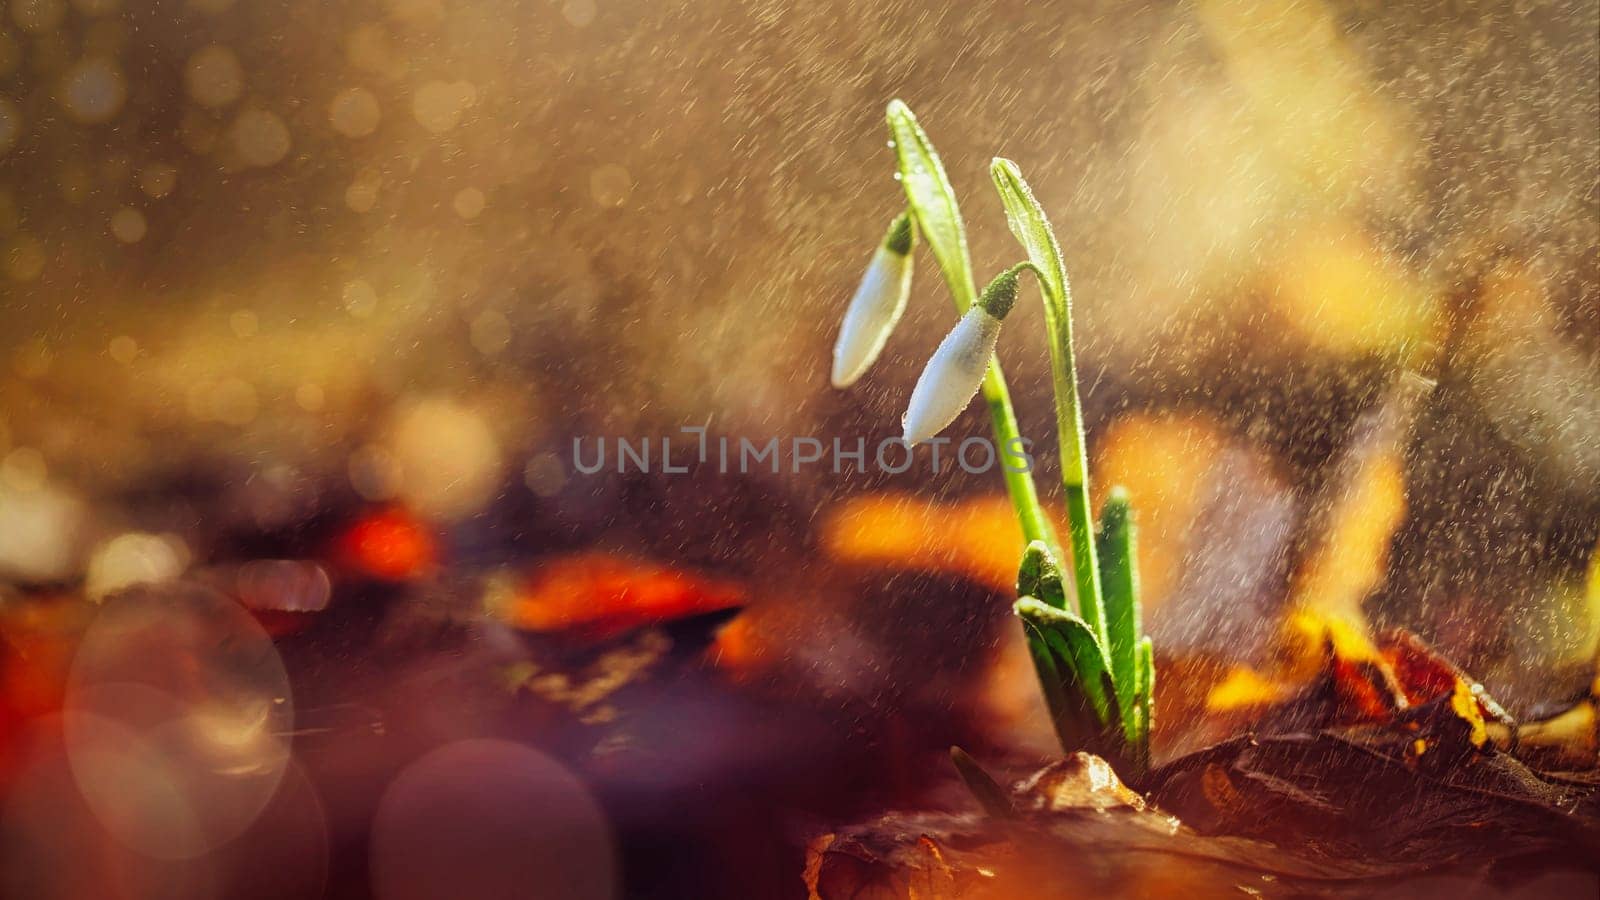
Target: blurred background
303, 304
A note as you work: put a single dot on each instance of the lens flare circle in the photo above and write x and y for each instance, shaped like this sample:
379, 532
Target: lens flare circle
176, 719
487, 819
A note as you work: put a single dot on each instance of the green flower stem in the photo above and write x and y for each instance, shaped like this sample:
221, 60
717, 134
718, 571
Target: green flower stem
1019, 484
1084, 575
1075, 483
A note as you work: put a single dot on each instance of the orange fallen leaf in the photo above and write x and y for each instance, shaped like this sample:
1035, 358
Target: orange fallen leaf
739, 647
601, 596
1327, 670
1245, 688
1424, 676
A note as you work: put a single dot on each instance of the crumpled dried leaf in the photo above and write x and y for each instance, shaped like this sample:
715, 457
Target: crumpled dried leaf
1059, 850
1324, 815
1358, 683
1391, 766
1569, 740
1080, 781
1364, 793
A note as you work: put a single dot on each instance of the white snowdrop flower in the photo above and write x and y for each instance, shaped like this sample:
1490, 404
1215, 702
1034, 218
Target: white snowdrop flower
956, 369
876, 306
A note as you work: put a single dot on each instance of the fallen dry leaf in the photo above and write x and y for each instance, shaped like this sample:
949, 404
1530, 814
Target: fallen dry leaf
599, 596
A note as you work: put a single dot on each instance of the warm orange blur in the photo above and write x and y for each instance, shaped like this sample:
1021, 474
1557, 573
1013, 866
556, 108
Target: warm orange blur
389, 544
978, 538
600, 595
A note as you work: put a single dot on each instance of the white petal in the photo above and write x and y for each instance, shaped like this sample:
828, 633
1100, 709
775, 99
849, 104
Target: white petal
952, 376
873, 312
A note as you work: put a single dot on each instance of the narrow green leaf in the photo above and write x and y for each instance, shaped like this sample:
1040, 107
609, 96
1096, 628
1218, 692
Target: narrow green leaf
1032, 230
1052, 680
1146, 700
1119, 584
1073, 716
932, 201
1040, 576
1078, 699
990, 795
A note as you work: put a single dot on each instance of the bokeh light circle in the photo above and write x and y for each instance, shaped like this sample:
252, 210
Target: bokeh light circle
134, 557
128, 225
261, 137
448, 462
354, 112
177, 719
284, 585
490, 819
439, 105
158, 179
93, 91
213, 76
468, 203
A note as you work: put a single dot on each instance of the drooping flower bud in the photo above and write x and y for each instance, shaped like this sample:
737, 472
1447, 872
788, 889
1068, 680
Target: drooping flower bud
877, 305
956, 369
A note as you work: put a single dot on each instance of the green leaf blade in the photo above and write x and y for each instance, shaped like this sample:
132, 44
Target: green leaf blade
1032, 230
1119, 584
1031, 227
1146, 701
1039, 576
933, 201
1073, 671
994, 799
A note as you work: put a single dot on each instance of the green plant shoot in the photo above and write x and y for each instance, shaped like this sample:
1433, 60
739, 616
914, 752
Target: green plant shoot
1094, 663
